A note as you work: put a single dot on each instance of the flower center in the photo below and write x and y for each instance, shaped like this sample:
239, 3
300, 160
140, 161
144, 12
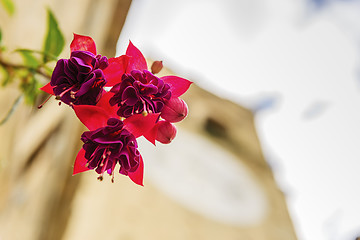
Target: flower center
140, 92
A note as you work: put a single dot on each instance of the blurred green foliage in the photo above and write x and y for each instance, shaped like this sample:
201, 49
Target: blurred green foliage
9, 6
36, 65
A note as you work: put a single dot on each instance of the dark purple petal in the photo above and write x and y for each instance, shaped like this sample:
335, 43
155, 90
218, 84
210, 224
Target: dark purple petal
129, 96
80, 79
109, 145
139, 92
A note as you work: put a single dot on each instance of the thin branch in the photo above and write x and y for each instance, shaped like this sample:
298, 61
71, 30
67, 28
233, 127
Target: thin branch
18, 66
11, 111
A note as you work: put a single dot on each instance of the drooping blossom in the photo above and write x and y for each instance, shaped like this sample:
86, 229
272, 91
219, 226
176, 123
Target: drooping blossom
140, 92
137, 90
138, 104
111, 142
80, 79
109, 145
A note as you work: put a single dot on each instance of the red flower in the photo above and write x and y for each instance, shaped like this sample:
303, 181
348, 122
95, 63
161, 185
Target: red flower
80, 79
137, 90
111, 141
134, 67
138, 104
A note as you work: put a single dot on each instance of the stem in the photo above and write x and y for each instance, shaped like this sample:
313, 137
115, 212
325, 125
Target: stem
18, 66
12, 109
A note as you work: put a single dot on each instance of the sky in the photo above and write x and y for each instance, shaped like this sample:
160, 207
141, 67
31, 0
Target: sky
296, 64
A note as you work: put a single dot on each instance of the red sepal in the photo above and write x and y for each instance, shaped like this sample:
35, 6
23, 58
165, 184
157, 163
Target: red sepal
152, 134
138, 175
80, 163
83, 43
104, 104
117, 67
138, 124
48, 89
93, 117
137, 60
178, 85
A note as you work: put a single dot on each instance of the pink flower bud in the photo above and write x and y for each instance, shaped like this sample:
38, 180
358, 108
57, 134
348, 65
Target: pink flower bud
166, 132
156, 67
174, 110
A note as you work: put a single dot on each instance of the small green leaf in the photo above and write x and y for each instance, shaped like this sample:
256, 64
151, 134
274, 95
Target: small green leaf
4, 76
54, 41
9, 6
29, 59
0, 36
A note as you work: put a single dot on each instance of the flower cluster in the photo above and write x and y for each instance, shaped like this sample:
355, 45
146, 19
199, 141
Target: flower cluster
118, 100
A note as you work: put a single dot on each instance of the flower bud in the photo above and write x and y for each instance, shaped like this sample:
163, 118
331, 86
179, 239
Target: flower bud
174, 110
156, 67
166, 132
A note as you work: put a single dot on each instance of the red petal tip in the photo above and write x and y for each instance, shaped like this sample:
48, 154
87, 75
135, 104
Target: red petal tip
178, 85
138, 175
83, 43
80, 163
137, 60
48, 89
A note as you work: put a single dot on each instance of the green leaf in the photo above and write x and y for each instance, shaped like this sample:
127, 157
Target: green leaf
9, 6
29, 59
4, 76
54, 41
0, 36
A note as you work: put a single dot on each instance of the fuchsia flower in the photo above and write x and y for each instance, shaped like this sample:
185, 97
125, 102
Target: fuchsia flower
137, 90
80, 79
140, 92
138, 104
111, 141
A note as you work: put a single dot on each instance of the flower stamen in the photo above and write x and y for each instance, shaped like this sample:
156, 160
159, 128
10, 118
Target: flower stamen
47, 99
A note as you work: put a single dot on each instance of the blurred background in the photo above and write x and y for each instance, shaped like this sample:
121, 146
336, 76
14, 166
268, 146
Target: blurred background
269, 149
